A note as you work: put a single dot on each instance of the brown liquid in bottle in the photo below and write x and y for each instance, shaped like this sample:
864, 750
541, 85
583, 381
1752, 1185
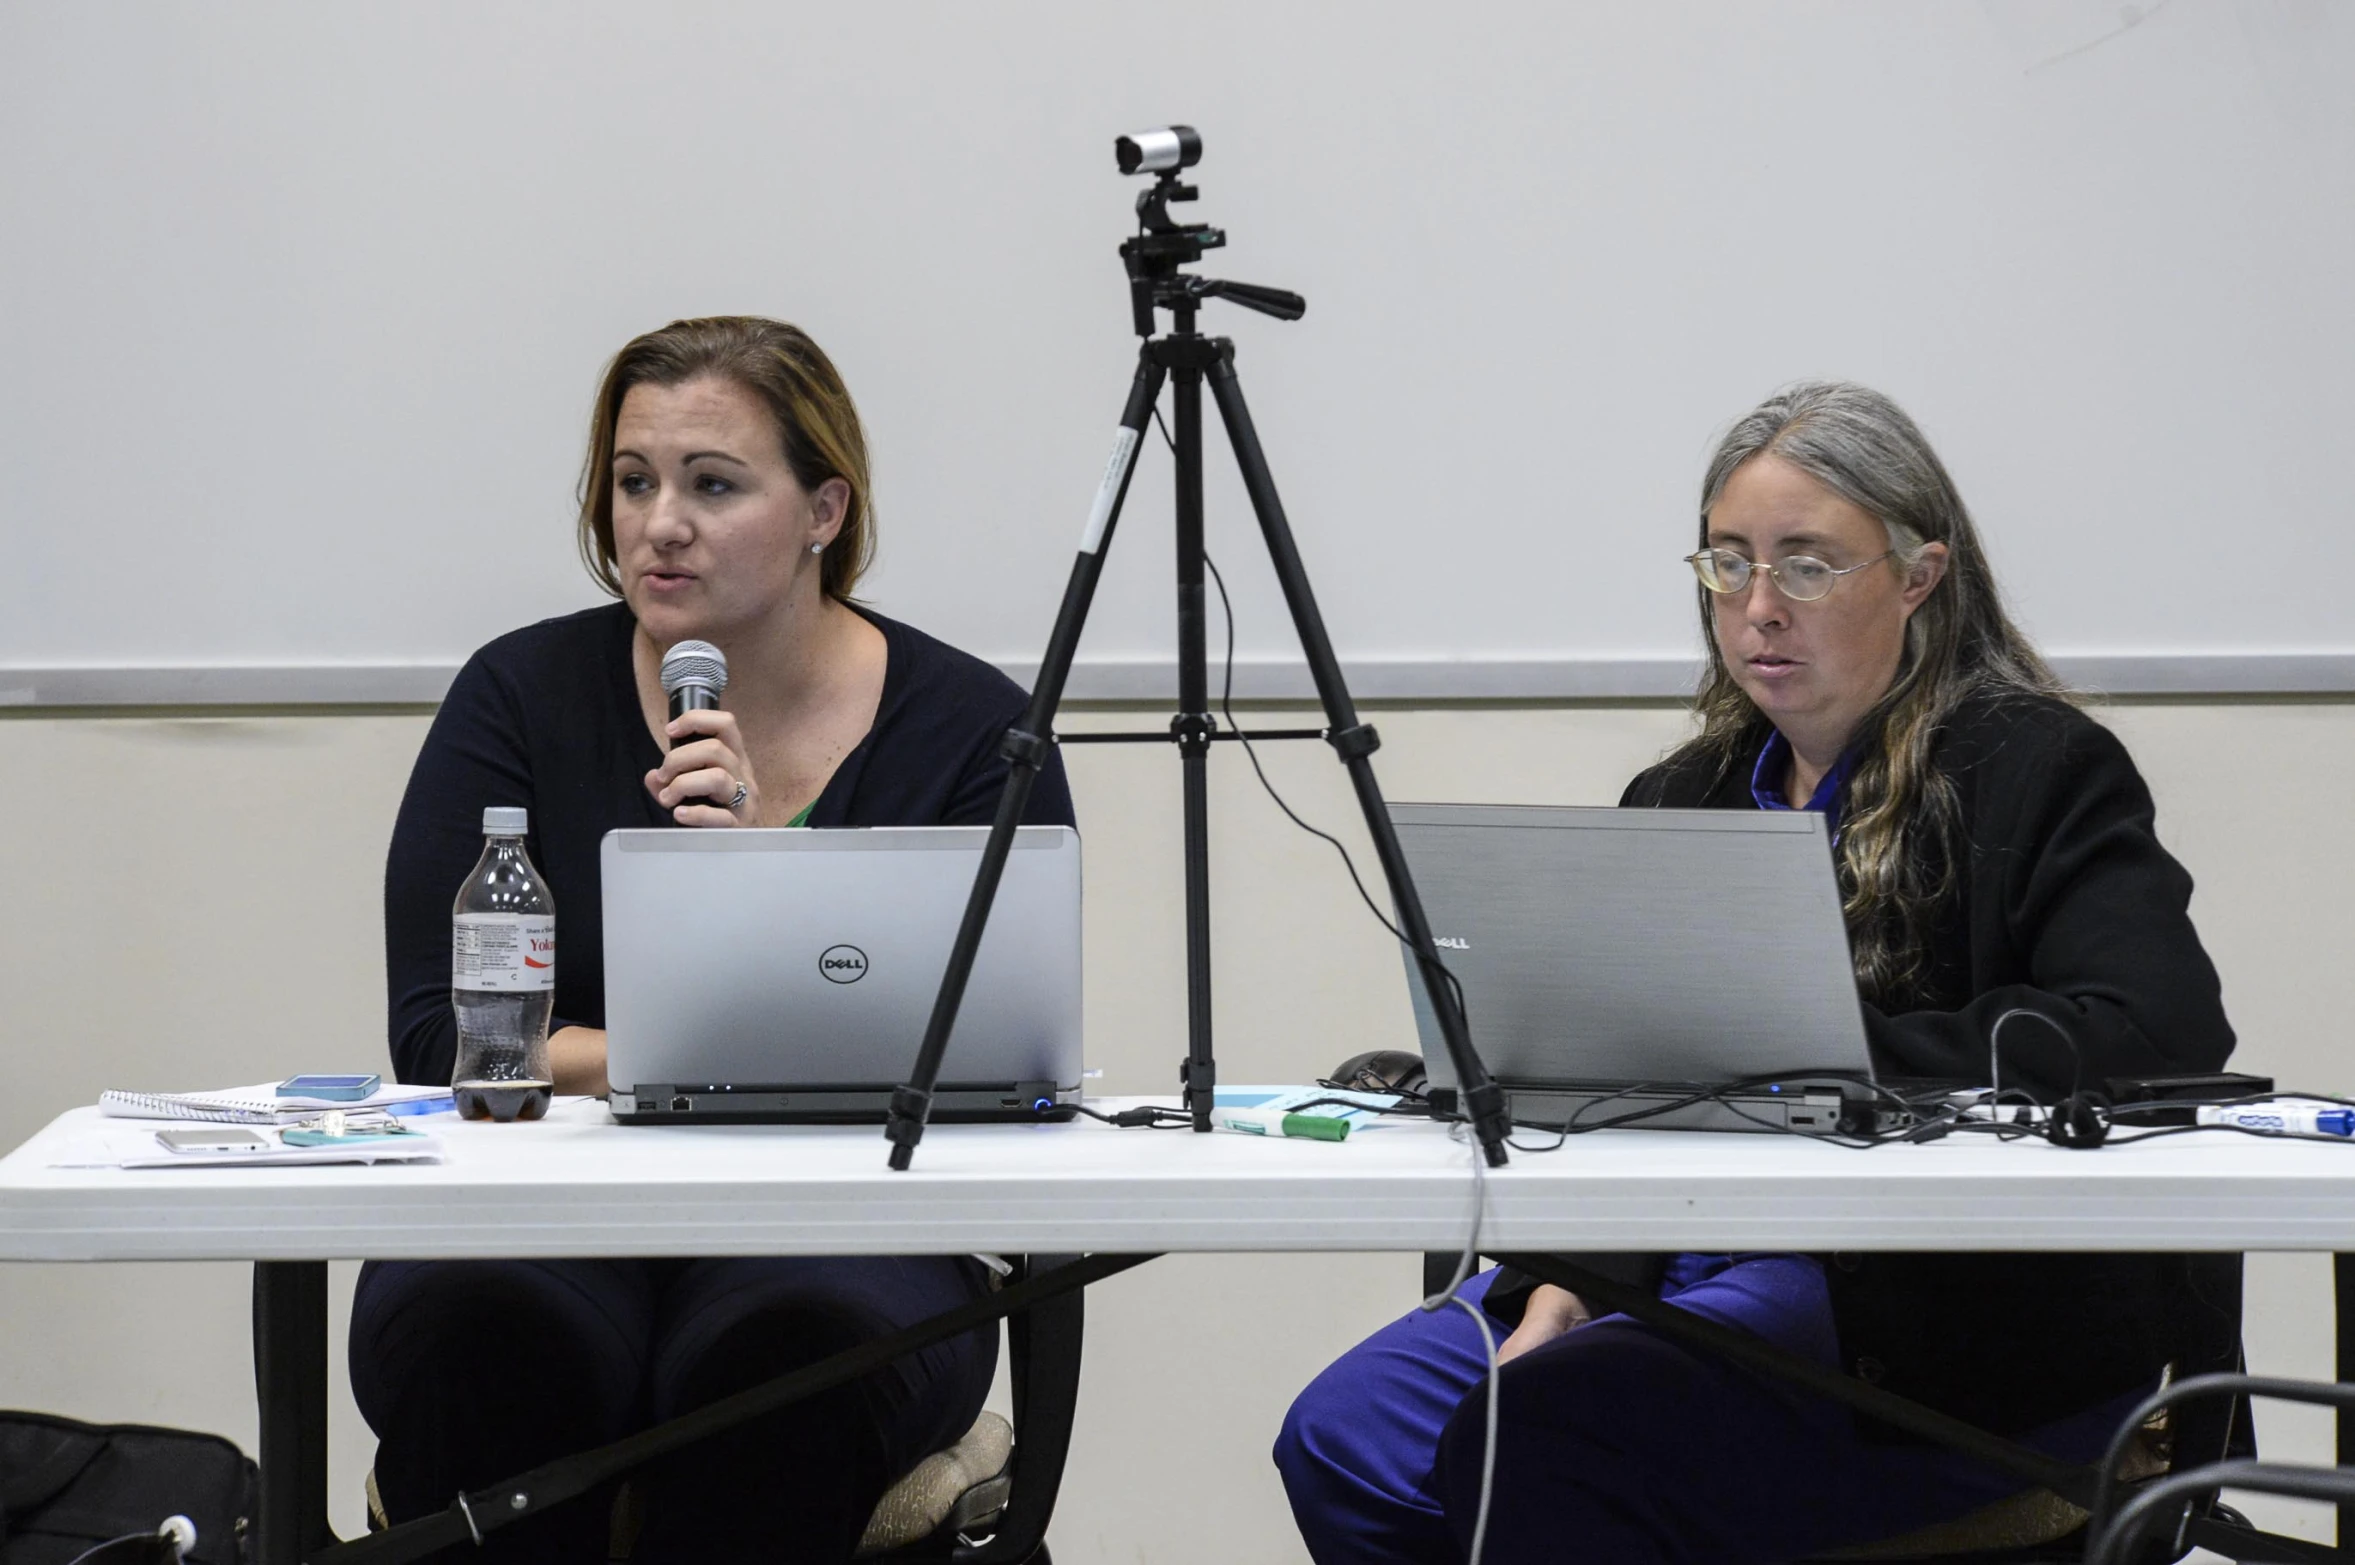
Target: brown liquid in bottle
503, 1101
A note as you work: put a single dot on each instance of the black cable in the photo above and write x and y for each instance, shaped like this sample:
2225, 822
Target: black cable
1150, 1116
1226, 697
1226, 710
1409, 1110
1691, 1093
1366, 1080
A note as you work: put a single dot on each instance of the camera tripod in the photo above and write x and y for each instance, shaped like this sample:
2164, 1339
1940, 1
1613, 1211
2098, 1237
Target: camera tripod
1188, 359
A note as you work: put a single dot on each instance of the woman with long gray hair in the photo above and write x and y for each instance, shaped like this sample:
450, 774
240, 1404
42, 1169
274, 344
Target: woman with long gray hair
1996, 856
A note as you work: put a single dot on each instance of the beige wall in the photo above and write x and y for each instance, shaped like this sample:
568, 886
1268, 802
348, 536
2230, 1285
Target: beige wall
193, 900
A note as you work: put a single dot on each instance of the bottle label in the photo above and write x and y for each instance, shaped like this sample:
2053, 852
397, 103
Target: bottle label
503, 951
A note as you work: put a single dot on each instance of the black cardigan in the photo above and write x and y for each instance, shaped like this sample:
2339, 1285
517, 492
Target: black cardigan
548, 717
2062, 901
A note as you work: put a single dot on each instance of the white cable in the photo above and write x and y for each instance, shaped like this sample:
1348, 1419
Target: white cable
1447, 1296
1471, 1255
1487, 1450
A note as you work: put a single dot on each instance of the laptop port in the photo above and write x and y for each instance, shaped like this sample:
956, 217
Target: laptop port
682, 1104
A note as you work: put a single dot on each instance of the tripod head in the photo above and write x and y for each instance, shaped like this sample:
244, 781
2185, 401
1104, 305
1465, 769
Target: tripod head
1163, 244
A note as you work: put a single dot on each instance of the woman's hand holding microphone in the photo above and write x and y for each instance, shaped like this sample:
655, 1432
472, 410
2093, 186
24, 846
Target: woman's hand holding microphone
707, 779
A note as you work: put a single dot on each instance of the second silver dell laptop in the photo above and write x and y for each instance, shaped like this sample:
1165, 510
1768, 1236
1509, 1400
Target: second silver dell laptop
785, 975
1613, 960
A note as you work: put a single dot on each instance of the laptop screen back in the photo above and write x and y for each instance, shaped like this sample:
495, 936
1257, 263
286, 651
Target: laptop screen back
1608, 946
810, 959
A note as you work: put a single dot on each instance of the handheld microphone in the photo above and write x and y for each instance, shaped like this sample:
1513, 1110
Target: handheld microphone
694, 676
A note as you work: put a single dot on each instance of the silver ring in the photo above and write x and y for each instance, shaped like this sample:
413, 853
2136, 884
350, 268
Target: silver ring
743, 792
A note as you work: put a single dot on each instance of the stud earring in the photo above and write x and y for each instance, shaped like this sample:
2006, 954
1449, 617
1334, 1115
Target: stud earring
817, 548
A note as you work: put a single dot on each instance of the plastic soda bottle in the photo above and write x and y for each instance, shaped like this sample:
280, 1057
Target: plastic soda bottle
503, 978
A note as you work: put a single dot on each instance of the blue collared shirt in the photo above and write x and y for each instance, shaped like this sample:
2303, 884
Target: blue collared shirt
1774, 759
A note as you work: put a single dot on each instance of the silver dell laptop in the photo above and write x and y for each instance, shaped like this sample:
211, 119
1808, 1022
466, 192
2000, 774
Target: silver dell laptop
781, 976
1618, 960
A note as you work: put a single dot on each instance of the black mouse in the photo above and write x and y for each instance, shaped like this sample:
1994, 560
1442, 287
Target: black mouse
1383, 1070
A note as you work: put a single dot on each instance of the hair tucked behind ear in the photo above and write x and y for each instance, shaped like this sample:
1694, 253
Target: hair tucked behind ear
816, 420
1898, 821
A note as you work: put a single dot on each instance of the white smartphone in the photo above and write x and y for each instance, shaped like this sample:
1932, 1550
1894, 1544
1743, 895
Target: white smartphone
215, 1138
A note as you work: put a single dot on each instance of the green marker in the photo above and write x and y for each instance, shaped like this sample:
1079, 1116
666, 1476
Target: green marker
1274, 1122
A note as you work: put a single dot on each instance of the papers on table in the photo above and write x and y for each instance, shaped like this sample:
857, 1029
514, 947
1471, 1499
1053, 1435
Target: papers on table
131, 1144
261, 1105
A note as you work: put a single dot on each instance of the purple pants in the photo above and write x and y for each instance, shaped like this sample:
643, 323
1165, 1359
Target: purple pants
1616, 1445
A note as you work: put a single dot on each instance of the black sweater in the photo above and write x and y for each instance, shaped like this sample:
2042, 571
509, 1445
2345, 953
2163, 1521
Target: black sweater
548, 717
2062, 901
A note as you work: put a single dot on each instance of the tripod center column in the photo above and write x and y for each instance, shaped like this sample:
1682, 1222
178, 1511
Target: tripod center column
1187, 357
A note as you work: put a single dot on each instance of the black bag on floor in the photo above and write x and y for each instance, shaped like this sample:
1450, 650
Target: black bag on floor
66, 1487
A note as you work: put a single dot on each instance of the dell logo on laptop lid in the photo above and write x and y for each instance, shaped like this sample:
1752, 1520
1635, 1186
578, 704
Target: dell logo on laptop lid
843, 964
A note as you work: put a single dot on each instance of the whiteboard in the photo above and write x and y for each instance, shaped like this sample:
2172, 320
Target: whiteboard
302, 307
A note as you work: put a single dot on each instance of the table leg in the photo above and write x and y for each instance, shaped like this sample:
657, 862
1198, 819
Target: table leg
2342, 1274
290, 1384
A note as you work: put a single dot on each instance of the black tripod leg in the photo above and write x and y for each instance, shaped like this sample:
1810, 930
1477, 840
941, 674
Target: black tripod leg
1026, 746
1483, 1103
1198, 1075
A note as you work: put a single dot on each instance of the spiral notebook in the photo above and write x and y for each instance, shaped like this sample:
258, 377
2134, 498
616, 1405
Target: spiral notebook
261, 1105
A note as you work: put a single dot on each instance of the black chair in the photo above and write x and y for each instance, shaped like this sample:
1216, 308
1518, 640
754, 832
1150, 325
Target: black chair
994, 1516
2038, 1527
1043, 1358
2124, 1533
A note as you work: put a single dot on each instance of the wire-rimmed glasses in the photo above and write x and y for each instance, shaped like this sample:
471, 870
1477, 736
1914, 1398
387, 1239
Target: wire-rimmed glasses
1802, 577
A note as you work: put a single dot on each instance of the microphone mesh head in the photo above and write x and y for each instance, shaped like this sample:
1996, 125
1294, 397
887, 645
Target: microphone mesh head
694, 663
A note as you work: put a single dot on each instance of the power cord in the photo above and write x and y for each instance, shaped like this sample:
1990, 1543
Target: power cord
1449, 1295
1151, 1116
1226, 710
1471, 1254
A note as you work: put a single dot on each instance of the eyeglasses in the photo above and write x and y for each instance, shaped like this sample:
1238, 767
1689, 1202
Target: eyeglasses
1802, 578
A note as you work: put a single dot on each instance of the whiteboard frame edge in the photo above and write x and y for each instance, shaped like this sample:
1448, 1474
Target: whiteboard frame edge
1434, 680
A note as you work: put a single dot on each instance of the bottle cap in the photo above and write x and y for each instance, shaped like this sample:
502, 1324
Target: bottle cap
504, 821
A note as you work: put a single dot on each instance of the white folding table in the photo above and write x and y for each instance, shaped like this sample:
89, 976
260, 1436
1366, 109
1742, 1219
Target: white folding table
577, 1184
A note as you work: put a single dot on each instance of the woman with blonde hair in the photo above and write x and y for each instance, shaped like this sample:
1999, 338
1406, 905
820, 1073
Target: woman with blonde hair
726, 499
1996, 855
